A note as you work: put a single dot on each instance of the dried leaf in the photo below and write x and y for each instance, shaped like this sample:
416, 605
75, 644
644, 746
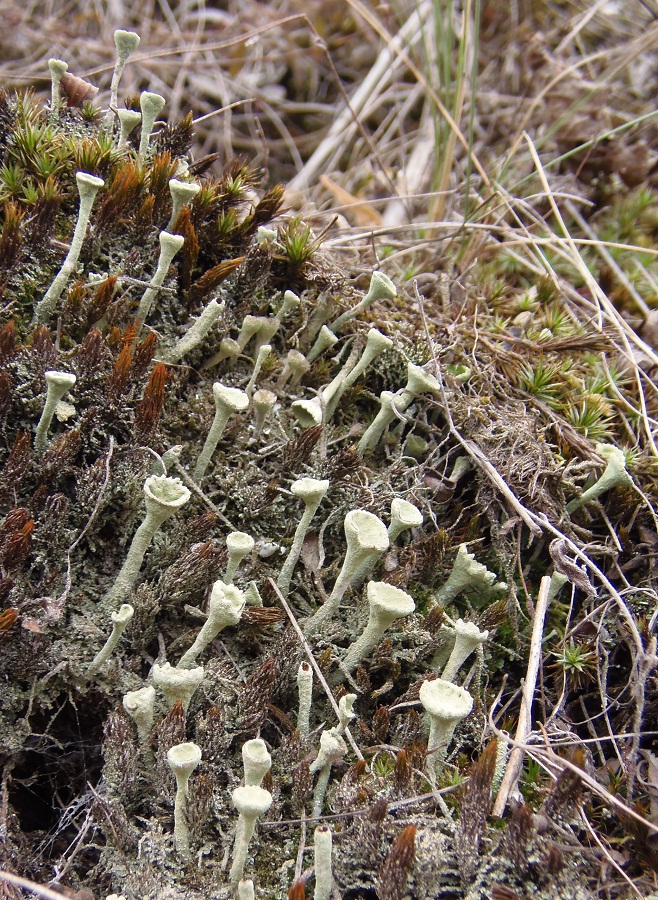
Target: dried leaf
358, 210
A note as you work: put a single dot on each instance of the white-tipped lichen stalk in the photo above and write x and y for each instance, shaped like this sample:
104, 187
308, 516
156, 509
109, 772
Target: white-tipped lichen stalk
251, 325
614, 475
467, 574
88, 188
367, 539
468, 638
164, 496
183, 760
404, 515
140, 706
228, 349
227, 402
177, 684
310, 412
129, 119
345, 712
239, 545
387, 604
305, 691
170, 244
322, 863
381, 288
256, 760
261, 356
332, 749
262, 402
182, 193
270, 325
446, 705
151, 106
197, 332
57, 68
462, 465
57, 384
392, 405
225, 608
120, 619
558, 581
376, 344
388, 410
169, 459
290, 301
252, 595
323, 341
246, 889
251, 802
312, 492
126, 43
295, 367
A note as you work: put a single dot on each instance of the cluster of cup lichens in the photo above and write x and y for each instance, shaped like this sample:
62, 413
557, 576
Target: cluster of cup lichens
367, 538
366, 535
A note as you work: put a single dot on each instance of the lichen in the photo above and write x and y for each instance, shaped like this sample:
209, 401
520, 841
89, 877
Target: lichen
69, 515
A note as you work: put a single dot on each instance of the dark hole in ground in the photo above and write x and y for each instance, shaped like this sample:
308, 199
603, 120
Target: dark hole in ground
59, 760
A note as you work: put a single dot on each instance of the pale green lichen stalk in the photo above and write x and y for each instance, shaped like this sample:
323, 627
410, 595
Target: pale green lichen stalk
262, 402
164, 496
381, 288
324, 341
197, 332
182, 193
256, 760
251, 802
177, 685
120, 620
57, 68
615, 475
57, 384
305, 691
140, 706
126, 42
129, 119
322, 862
183, 760
312, 491
261, 356
468, 638
468, 575
151, 106
376, 344
393, 405
170, 244
446, 705
226, 608
404, 515
387, 604
332, 749
228, 401
88, 188
367, 539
